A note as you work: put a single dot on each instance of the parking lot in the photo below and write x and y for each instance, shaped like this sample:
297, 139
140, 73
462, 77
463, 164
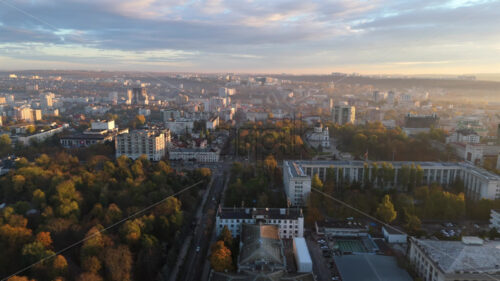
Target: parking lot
322, 256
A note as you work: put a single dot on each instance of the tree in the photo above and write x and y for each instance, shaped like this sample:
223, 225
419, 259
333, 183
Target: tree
89, 276
66, 199
385, 210
19, 278
91, 264
44, 238
140, 120
412, 223
118, 263
59, 265
5, 145
226, 236
221, 259
316, 182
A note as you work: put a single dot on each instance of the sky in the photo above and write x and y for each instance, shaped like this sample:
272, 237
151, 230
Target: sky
265, 36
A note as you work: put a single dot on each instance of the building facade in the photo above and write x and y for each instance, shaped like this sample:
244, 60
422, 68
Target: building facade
290, 221
152, 143
204, 155
296, 182
343, 114
479, 183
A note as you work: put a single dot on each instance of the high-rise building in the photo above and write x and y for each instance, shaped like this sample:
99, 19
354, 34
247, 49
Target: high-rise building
152, 143
343, 114
140, 96
46, 100
498, 134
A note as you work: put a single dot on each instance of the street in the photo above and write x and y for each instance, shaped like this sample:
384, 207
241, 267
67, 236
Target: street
195, 259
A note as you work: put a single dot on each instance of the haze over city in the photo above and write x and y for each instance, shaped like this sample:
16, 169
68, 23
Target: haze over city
368, 37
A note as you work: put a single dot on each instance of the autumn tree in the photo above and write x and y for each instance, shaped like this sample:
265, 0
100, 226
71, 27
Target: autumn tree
118, 263
221, 259
385, 210
316, 182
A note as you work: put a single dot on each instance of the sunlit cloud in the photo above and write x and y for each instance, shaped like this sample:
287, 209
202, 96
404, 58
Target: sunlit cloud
252, 35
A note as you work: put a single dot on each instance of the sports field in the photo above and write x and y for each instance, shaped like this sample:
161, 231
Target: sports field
350, 245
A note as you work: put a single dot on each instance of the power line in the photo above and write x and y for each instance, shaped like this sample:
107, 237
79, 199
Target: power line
101, 231
395, 229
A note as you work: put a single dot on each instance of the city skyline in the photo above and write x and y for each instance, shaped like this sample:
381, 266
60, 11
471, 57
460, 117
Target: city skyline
367, 37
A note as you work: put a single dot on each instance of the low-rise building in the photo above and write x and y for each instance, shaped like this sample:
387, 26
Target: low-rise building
463, 136
469, 259
204, 155
479, 183
41, 136
393, 235
290, 221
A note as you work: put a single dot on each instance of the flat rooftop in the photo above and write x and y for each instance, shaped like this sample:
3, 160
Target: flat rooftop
267, 213
369, 267
453, 256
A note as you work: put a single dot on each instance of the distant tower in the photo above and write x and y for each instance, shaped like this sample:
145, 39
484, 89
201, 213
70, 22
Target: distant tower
140, 96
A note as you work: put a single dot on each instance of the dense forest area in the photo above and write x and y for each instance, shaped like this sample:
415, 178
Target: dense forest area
53, 202
281, 139
379, 143
256, 185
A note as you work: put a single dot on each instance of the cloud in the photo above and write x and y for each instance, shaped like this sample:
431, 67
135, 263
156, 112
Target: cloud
252, 34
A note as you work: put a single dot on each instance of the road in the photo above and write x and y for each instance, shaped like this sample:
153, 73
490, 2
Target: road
195, 260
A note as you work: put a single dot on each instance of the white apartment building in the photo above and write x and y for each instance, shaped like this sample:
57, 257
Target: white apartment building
297, 183
343, 114
479, 183
204, 155
102, 125
39, 137
180, 126
469, 259
152, 143
289, 220
463, 136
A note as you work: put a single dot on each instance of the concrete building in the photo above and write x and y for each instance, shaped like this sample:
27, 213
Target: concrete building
140, 96
290, 221
180, 126
46, 100
392, 235
212, 123
476, 153
296, 182
152, 143
226, 92
479, 183
469, 259
415, 124
343, 114
463, 136
102, 125
39, 137
202, 155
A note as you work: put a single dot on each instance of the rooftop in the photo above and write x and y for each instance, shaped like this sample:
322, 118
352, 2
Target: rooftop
265, 213
368, 267
454, 256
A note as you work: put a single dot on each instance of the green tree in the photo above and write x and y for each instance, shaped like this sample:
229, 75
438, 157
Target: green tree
385, 210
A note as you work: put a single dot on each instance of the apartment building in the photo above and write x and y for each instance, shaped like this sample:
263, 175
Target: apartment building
343, 114
152, 143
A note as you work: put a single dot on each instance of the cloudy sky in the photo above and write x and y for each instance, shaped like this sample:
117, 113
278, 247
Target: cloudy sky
292, 36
